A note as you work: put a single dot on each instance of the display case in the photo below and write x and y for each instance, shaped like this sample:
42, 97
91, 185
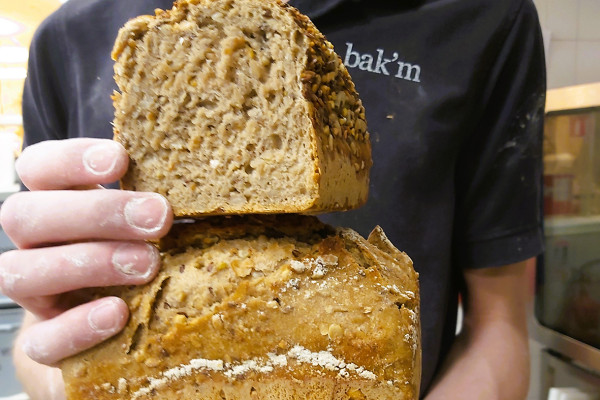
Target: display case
567, 304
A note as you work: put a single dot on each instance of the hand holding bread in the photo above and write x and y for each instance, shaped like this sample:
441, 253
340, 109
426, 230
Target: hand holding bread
73, 239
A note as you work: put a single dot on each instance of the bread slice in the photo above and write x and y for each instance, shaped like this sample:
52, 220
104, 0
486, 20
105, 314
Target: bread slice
263, 307
237, 107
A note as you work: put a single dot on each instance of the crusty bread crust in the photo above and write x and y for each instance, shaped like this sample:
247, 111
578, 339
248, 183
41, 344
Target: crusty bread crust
263, 307
237, 107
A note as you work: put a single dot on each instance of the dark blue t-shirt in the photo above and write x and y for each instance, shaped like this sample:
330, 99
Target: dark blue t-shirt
454, 96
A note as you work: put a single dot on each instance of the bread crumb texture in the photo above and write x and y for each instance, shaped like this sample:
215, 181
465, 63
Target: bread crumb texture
238, 106
263, 307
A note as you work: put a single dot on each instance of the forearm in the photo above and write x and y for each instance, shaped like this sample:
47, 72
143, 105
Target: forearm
39, 381
490, 358
490, 364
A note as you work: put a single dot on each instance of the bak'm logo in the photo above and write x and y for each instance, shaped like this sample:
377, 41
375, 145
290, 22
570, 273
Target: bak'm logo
381, 64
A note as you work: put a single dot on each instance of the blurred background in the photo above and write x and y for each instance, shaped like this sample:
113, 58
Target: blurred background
18, 22
565, 287
565, 318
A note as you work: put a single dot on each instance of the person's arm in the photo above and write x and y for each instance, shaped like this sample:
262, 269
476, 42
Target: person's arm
490, 358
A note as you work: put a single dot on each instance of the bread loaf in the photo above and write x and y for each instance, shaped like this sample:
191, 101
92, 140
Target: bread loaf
237, 107
242, 107
263, 307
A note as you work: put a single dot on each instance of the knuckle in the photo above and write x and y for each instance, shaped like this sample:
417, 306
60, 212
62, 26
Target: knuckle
6, 258
23, 166
13, 214
7, 278
104, 208
35, 347
9, 213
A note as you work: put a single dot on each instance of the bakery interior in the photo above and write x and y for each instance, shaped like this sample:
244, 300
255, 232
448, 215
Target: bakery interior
565, 293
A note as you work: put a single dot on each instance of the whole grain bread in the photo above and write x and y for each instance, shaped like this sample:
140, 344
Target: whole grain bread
237, 107
263, 307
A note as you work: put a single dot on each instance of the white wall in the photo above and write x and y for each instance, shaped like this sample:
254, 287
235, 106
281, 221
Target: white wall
573, 30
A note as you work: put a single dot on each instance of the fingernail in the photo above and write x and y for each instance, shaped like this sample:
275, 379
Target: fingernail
147, 214
101, 158
104, 317
135, 260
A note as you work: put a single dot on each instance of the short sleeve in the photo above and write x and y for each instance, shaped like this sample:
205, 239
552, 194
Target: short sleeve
44, 108
498, 212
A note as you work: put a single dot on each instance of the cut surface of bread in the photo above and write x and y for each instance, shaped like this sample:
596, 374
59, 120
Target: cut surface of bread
263, 307
236, 107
